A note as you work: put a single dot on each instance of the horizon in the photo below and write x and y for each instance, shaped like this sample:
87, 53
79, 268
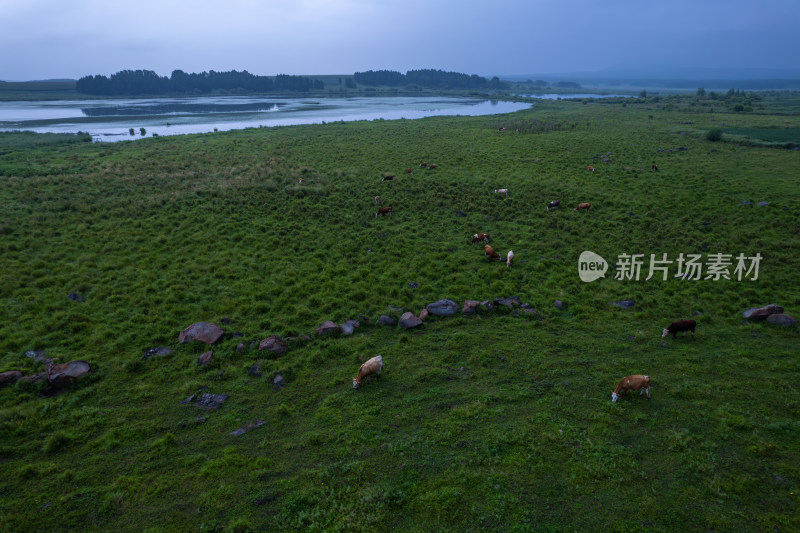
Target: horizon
53, 40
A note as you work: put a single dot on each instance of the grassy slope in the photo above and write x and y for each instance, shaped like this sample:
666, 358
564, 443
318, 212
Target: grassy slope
492, 421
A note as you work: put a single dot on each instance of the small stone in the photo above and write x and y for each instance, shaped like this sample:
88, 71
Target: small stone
211, 401
762, 204
625, 304
278, 381
240, 347
201, 331
423, 314
274, 344
385, 320
444, 307
75, 297
748, 204
413, 285
225, 321
327, 328
782, 319
760, 313
255, 371
39, 355
559, 305
204, 359
470, 307
408, 320
158, 351
488, 305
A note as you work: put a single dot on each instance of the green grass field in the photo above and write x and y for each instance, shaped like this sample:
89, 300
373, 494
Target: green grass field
489, 422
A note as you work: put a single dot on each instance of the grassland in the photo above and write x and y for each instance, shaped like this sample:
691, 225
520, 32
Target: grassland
490, 422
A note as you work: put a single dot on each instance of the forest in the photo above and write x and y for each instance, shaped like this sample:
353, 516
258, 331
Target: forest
139, 82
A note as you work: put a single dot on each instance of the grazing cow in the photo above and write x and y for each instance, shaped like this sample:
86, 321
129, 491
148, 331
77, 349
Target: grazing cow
423, 164
480, 237
636, 382
509, 258
553, 205
388, 177
373, 367
501, 191
409, 171
680, 325
490, 253
654, 167
590, 168
501, 129
301, 181
377, 199
583, 207
384, 211
432, 166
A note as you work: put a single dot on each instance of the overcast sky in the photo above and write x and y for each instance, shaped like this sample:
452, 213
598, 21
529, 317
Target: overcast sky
41, 39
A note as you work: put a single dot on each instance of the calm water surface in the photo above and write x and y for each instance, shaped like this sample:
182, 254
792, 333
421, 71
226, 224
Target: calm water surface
111, 120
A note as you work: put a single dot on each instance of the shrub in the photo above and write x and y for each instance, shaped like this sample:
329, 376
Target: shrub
714, 135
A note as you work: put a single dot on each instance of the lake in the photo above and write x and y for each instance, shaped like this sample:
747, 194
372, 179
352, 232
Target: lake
111, 120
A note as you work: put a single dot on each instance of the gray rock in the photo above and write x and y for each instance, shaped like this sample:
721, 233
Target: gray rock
247, 427
188, 400
625, 304
39, 355
760, 313
444, 307
158, 351
211, 401
278, 381
204, 359
327, 328
385, 320
488, 305
274, 344
470, 307
8, 378
206, 332
67, 372
408, 320
255, 370
762, 204
782, 319
413, 285
349, 326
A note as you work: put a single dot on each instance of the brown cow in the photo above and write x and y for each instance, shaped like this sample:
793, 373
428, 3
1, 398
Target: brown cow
583, 207
490, 253
384, 211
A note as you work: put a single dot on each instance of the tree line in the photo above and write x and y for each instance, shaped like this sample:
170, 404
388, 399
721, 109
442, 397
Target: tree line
138, 82
429, 78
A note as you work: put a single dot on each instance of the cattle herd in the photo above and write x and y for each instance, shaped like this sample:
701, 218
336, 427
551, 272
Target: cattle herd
638, 382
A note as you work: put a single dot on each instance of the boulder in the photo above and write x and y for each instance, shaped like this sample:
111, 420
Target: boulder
385, 320
760, 313
327, 328
66, 372
274, 344
444, 307
408, 320
206, 332
204, 359
782, 319
8, 378
158, 351
470, 307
